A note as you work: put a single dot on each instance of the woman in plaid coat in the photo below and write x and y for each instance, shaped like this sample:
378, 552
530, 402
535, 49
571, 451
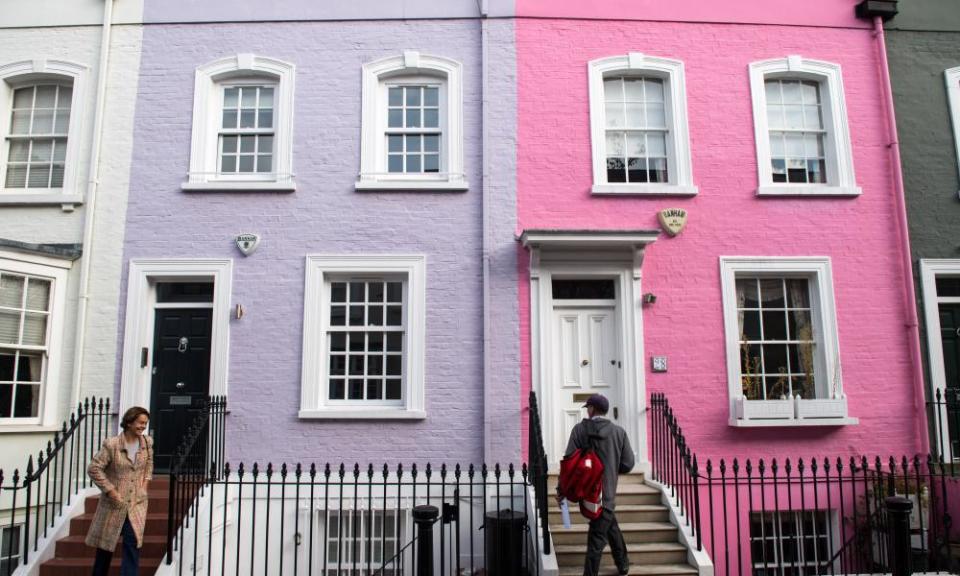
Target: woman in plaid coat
121, 469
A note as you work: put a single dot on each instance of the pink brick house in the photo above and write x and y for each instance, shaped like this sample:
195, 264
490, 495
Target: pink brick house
775, 320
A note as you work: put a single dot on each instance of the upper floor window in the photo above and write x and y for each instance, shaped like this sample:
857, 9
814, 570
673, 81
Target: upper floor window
638, 117
31, 320
37, 139
39, 123
411, 129
242, 125
802, 136
953, 96
783, 358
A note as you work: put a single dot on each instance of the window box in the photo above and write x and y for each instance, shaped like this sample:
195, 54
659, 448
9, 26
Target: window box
764, 409
820, 408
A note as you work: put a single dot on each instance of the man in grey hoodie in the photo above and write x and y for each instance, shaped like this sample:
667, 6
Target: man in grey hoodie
613, 448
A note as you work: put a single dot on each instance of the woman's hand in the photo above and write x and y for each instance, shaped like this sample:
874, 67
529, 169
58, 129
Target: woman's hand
115, 497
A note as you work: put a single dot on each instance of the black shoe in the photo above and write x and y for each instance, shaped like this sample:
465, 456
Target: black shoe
624, 571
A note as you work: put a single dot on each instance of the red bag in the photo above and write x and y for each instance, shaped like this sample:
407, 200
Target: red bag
581, 480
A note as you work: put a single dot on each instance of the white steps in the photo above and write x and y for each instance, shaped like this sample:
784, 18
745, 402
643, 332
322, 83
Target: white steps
652, 541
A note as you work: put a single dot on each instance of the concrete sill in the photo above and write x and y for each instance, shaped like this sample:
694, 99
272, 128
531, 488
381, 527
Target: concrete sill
411, 186
793, 422
362, 414
643, 190
815, 190
238, 186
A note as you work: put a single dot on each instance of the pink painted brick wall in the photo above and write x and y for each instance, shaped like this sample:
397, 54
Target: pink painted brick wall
727, 218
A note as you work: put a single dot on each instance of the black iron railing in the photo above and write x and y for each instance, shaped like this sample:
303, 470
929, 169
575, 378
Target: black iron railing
673, 464
943, 417
297, 519
198, 460
804, 516
538, 465
37, 497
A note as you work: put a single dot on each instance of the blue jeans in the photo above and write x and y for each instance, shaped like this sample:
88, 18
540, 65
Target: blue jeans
130, 566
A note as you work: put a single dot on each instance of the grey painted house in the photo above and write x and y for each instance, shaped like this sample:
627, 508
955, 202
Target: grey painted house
923, 47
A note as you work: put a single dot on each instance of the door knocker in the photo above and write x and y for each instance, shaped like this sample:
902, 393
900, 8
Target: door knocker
183, 344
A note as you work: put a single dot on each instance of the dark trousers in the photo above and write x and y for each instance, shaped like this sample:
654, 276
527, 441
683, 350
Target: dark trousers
605, 530
130, 566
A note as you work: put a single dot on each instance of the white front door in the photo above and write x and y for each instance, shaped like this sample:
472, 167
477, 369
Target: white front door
585, 361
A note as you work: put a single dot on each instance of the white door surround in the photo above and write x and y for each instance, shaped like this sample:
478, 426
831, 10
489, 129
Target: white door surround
589, 254
930, 269
143, 277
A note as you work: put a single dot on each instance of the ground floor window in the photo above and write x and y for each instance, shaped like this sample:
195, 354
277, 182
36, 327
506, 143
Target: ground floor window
790, 542
10, 548
358, 539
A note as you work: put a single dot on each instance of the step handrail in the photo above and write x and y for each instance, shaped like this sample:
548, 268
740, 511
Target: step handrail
54, 479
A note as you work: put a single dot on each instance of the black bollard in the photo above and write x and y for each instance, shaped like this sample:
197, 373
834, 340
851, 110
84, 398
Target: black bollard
898, 536
424, 518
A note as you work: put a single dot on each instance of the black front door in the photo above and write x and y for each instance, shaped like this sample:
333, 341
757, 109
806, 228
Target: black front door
950, 338
181, 376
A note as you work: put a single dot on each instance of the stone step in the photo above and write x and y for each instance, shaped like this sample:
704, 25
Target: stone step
158, 500
73, 546
633, 533
156, 523
648, 570
625, 513
640, 554
82, 566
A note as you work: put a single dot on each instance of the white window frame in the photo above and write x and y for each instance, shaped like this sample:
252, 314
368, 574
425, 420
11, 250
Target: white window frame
408, 68
56, 271
319, 268
841, 180
18, 555
136, 377
795, 516
930, 269
679, 164
209, 83
831, 411
952, 77
26, 73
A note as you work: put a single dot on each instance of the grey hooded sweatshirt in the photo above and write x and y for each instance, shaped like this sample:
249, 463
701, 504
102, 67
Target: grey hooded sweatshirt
613, 448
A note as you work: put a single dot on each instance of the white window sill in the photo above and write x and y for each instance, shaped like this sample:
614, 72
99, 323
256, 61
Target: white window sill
790, 412
238, 186
644, 189
792, 422
412, 185
808, 190
26, 428
362, 413
42, 199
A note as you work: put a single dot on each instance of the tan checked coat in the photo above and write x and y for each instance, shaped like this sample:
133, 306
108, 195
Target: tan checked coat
111, 468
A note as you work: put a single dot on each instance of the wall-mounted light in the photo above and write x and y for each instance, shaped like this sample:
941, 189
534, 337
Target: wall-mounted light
649, 298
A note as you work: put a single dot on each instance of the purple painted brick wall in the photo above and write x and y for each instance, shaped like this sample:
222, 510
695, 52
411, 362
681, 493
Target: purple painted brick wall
324, 215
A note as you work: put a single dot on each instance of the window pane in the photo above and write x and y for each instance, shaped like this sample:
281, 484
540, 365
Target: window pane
413, 143
613, 90
11, 290
614, 115
34, 329
749, 325
431, 118
41, 151
38, 294
6, 400
633, 89
56, 176
374, 389
394, 143
656, 116
42, 121
59, 150
228, 164
27, 401
46, 97
246, 164
616, 170
413, 119
774, 325
248, 96
23, 97
394, 315
336, 389
395, 96
375, 342
431, 143
393, 389
431, 163
338, 315
16, 177
413, 95
338, 364
771, 292
62, 122
375, 365
355, 390
395, 163
413, 164
266, 97
19, 151
266, 119
20, 123
231, 97
248, 118
6, 366
395, 118
394, 342
248, 143
9, 327
265, 163
39, 176
229, 119
431, 96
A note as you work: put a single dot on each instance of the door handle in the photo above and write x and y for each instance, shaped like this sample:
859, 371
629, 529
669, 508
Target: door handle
180, 385
616, 413
584, 362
